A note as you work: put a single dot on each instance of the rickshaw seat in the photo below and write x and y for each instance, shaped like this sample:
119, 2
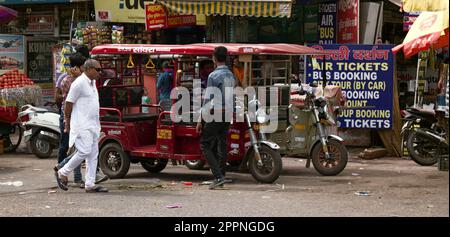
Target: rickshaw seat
130, 117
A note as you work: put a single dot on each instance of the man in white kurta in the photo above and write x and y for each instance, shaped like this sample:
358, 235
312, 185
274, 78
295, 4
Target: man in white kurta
83, 124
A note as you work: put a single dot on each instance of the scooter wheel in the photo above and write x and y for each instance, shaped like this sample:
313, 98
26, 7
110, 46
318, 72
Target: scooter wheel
337, 162
271, 168
41, 148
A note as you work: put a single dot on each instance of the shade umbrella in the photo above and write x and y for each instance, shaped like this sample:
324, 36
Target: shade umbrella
429, 30
7, 14
424, 5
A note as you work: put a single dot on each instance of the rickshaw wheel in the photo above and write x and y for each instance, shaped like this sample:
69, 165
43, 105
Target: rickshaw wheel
12, 144
272, 165
114, 162
195, 164
338, 161
154, 165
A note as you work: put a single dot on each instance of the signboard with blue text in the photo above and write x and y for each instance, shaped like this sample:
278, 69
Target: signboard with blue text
365, 73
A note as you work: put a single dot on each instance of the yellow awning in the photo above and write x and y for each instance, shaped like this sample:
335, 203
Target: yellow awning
257, 8
424, 5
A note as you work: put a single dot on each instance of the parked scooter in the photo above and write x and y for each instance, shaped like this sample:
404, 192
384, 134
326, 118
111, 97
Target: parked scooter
41, 128
424, 137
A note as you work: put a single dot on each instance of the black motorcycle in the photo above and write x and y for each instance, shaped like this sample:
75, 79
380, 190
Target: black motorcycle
423, 137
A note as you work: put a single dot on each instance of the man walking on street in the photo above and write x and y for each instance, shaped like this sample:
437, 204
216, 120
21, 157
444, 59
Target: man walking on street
214, 133
82, 122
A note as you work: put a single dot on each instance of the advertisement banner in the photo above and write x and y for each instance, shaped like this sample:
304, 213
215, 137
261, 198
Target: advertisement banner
12, 53
365, 73
327, 23
121, 11
39, 58
348, 22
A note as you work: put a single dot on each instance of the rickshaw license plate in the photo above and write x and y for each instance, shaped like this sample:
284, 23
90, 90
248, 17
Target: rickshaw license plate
164, 134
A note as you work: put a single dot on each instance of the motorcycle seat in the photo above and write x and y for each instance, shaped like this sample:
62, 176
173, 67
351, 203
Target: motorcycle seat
130, 117
424, 112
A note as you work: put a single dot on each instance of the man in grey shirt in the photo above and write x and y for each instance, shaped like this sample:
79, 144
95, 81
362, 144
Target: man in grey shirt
213, 141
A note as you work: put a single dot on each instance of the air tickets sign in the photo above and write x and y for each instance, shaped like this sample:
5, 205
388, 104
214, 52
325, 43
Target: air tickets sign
365, 73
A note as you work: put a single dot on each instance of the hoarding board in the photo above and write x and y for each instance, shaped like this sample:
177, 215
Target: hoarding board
365, 73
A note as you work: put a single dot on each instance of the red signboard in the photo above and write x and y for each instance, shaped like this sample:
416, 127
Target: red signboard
348, 21
156, 18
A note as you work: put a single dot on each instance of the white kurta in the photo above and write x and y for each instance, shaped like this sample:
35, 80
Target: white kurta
85, 113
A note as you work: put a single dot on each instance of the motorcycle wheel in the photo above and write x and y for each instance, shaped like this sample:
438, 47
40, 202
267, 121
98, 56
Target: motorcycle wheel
272, 165
422, 150
113, 161
195, 164
41, 148
154, 165
338, 161
12, 140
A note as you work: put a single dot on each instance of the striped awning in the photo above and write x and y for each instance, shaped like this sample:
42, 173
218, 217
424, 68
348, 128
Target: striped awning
257, 8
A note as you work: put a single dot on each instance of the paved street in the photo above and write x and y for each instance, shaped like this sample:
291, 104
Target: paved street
395, 187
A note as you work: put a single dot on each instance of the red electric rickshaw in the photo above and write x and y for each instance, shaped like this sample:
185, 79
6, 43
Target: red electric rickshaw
152, 138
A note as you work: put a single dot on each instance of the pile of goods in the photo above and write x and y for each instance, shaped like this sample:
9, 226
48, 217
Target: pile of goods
92, 36
16, 90
14, 79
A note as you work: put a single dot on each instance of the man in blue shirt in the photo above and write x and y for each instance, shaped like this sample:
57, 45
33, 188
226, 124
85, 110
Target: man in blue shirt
164, 83
214, 133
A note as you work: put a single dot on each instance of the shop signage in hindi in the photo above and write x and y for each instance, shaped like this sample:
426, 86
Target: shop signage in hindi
327, 23
157, 18
365, 74
348, 21
41, 23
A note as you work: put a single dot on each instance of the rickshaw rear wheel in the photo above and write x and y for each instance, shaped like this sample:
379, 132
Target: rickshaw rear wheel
272, 165
154, 165
338, 161
114, 162
195, 164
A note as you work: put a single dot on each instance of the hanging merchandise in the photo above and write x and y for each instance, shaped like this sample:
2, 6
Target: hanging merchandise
92, 35
66, 51
117, 34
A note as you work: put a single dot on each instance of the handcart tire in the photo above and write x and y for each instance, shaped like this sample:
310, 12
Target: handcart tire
154, 165
339, 155
41, 148
272, 165
113, 161
11, 147
195, 164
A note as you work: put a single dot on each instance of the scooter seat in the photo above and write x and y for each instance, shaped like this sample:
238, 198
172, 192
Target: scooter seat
129, 117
